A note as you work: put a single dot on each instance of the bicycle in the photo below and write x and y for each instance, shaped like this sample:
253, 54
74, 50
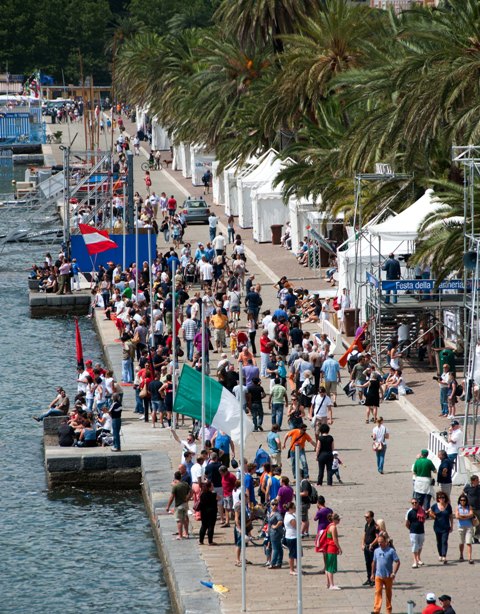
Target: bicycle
156, 166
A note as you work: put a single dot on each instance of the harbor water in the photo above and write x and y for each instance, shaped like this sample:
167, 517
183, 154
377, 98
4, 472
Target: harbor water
71, 551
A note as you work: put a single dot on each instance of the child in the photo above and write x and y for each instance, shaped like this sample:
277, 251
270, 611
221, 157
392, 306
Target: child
337, 461
233, 344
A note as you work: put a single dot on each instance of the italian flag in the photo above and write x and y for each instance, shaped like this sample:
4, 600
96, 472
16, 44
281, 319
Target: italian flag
222, 410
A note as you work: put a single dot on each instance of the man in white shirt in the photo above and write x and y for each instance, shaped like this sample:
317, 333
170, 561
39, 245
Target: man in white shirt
219, 244
320, 409
455, 440
403, 334
198, 471
187, 444
212, 225
205, 270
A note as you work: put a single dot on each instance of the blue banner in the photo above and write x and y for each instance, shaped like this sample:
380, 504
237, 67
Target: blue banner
422, 285
372, 280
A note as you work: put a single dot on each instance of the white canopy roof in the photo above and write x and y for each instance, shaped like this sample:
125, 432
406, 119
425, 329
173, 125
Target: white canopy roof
267, 169
405, 225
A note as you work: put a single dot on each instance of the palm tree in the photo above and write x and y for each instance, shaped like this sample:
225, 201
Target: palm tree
264, 20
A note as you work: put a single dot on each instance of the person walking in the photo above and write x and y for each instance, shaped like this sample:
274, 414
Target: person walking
370, 533
442, 514
332, 551
385, 566
206, 180
277, 401
444, 474
207, 506
380, 435
212, 226
423, 468
331, 372
324, 451
415, 523
464, 515
372, 397
298, 436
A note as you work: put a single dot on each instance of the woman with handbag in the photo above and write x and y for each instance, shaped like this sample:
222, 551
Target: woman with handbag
145, 376
332, 550
380, 435
442, 514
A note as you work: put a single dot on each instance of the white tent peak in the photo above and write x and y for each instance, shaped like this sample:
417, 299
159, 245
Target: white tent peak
405, 225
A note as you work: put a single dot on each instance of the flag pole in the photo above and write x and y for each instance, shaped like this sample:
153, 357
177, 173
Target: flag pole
152, 343
243, 519
124, 228
298, 523
136, 253
203, 372
174, 344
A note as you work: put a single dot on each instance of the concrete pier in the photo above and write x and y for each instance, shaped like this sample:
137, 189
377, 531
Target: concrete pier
43, 304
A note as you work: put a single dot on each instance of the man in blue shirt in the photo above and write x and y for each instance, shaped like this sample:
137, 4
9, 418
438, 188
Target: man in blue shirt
384, 570
331, 372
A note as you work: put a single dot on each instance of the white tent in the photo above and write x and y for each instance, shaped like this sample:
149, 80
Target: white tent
406, 224
367, 251
230, 189
141, 117
265, 171
201, 161
268, 207
160, 138
302, 213
185, 159
177, 158
218, 185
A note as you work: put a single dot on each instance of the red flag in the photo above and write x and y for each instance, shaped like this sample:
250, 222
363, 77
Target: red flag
357, 342
96, 241
78, 346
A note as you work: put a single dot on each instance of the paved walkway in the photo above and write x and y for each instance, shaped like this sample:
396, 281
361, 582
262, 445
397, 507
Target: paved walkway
363, 489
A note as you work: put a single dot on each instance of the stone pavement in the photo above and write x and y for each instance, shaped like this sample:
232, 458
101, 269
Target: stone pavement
363, 489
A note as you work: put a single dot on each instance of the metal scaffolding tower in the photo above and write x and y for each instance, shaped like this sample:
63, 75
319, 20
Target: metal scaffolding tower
469, 157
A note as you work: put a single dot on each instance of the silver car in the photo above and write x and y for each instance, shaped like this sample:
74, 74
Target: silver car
196, 210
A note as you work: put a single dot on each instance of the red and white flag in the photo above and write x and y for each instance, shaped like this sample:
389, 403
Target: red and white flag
96, 241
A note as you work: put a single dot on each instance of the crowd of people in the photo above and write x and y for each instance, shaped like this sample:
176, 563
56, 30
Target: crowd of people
288, 371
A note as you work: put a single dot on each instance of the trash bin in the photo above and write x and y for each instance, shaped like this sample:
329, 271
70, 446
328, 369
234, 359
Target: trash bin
276, 233
349, 317
447, 357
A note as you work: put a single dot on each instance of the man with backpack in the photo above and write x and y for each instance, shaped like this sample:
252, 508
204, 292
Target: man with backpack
206, 180
308, 495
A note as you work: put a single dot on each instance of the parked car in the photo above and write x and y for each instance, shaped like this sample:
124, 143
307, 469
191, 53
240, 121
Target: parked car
58, 103
196, 210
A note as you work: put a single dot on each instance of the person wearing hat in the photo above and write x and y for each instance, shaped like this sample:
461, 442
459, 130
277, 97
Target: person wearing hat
455, 440
422, 471
431, 607
446, 604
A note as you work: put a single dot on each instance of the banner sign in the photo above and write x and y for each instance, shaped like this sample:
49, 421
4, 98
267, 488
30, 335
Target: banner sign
372, 280
422, 285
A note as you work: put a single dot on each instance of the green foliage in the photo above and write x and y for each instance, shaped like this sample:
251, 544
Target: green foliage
352, 87
47, 34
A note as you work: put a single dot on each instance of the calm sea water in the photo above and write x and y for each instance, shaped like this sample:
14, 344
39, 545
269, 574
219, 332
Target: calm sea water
70, 551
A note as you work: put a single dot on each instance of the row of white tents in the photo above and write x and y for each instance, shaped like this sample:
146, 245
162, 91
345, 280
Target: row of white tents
247, 191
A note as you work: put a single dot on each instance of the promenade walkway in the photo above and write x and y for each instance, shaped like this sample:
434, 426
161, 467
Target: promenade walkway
363, 489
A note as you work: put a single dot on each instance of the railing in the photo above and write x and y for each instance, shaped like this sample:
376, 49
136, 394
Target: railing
437, 442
